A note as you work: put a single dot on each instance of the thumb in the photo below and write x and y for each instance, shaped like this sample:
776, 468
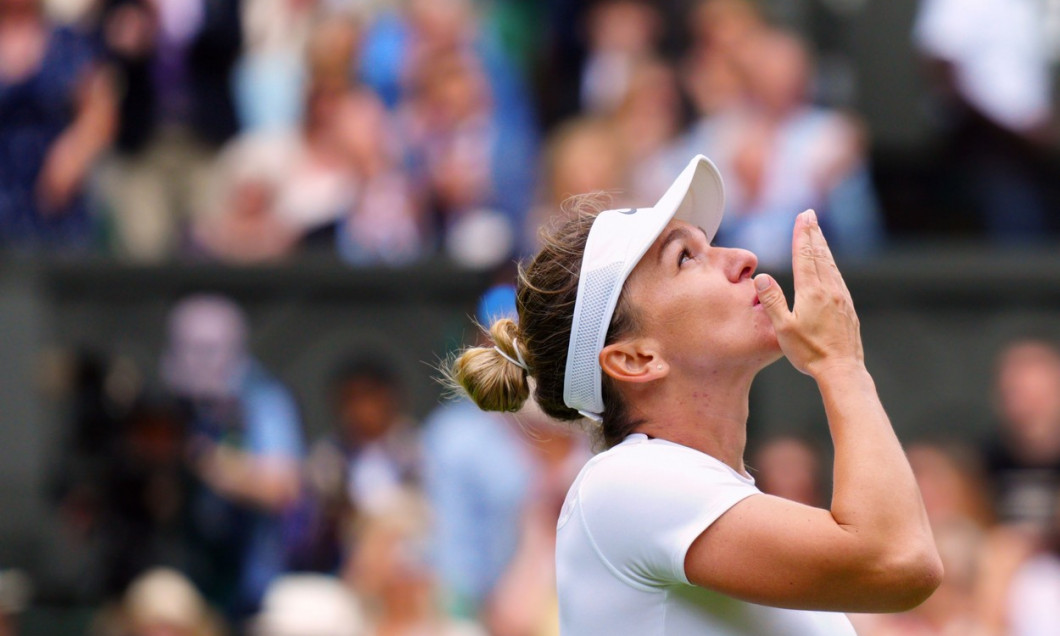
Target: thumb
772, 297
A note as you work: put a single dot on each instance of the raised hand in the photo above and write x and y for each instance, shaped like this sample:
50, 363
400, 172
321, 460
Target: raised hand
822, 330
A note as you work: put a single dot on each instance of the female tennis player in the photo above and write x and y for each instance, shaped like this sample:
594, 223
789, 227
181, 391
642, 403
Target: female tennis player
633, 319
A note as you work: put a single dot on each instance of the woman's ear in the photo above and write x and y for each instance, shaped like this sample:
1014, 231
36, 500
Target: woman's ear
636, 360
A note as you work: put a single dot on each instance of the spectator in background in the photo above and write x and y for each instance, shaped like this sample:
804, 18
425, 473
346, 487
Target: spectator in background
176, 60
721, 31
621, 34
387, 222
496, 484
1024, 457
57, 113
790, 467
401, 39
581, 155
477, 478
781, 155
145, 501
375, 436
990, 63
161, 602
952, 484
471, 134
390, 570
383, 222
270, 75
244, 226
999, 580
371, 456
317, 179
1025, 580
952, 609
524, 601
335, 182
309, 605
648, 122
245, 447
458, 147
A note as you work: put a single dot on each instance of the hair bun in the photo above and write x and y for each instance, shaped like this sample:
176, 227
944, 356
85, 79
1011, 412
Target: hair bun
492, 377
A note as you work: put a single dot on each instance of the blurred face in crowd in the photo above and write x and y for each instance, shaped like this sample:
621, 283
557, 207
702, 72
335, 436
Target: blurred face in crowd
724, 24
777, 67
441, 24
950, 489
389, 566
789, 468
207, 340
585, 157
651, 110
331, 50
367, 407
624, 25
1028, 393
453, 88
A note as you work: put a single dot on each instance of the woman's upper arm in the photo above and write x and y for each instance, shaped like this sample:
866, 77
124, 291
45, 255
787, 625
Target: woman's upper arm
771, 551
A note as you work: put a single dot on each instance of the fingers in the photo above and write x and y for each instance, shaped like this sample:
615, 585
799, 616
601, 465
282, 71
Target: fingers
827, 270
803, 257
772, 298
812, 259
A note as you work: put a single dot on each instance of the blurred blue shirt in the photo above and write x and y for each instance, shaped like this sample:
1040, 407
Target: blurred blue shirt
477, 477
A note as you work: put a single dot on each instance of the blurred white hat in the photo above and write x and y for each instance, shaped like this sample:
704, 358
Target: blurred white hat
310, 605
163, 596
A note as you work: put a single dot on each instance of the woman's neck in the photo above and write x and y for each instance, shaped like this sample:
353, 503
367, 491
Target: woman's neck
703, 414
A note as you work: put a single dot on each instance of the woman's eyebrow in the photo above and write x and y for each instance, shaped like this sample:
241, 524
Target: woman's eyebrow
671, 236
677, 233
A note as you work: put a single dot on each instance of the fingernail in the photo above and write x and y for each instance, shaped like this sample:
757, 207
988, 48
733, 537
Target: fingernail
762, 283
811, 216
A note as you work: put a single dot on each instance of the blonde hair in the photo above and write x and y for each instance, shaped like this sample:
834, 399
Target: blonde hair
492, 381
546, 292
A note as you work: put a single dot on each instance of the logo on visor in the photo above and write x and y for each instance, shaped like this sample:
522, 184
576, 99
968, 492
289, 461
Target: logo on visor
629, 211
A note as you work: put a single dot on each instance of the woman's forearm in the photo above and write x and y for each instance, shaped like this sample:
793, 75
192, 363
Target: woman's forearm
875, 494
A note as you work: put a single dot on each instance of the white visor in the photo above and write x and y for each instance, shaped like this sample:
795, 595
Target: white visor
617, 241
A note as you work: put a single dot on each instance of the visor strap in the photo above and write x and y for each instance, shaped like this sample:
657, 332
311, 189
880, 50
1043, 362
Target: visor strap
596, 417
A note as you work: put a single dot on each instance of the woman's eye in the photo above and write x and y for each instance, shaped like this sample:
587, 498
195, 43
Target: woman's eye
684, 256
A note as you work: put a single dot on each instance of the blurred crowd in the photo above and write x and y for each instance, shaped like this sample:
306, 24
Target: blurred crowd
254, 131
200, 505
247, 131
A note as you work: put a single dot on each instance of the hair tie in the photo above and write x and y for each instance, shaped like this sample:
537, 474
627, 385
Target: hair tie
519, 354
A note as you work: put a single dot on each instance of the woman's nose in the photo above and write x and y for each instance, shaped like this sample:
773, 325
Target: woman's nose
743, 264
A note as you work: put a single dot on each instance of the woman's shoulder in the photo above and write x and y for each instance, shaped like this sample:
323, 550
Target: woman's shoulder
640, 464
